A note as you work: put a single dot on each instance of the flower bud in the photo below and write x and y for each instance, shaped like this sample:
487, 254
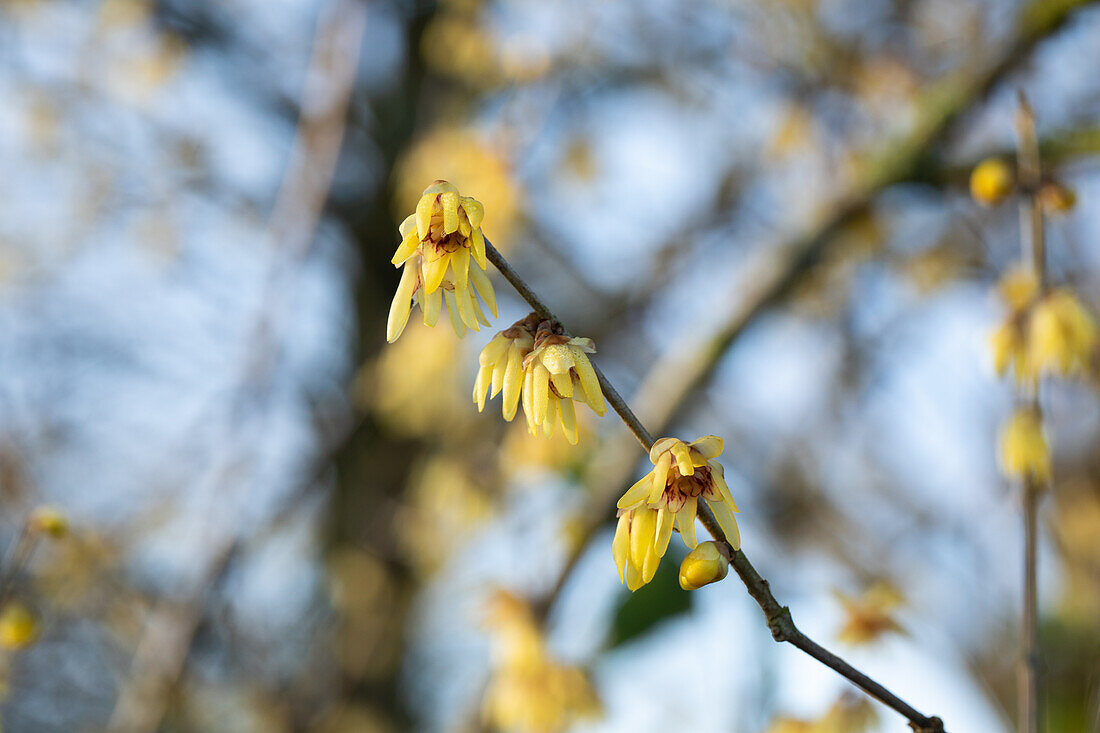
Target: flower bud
18, 627
48, 520
991, 181
1057, 199
707, 563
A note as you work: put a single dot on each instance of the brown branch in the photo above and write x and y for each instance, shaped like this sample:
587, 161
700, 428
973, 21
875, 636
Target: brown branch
778, 617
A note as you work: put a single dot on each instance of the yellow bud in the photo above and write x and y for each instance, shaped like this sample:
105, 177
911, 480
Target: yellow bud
1024, 450
1057, 199
48, 520
991, 181
707, 563
18, 627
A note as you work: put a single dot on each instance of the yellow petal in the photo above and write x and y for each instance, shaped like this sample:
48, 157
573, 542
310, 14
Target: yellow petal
424, 209
477, 309
633, 577
557, 358
477, 247
642, 530
494, 351
660, 477
568, 420
592, 393
665, 520
551, 417
563, 383
460, 266
528, 400
434, 303
449, 202
541, 397
652, 562
660, 447
481, 387
710, 446
401, 305
513, 381
484, 288
406, 249
499, 369
685, 522
683, 459
474, 211
727, 522
408, 226
620, 546
456, 317
721, 485
637, 492
465, 308
434, 272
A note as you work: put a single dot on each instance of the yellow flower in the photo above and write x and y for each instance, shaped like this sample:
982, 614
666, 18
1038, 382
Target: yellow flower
438, 243
1018, 287
556, 373
666, 496
991, 181
870, 615
707, 563
501, 365
528, 689
1024, 451
1010, 350
1062, 335
48, 520
18, 627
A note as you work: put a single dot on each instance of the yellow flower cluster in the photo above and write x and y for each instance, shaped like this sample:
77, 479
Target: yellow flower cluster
534, 362
1023, 448
438, 243
529, 691
870, 615
1049, 334
667, 496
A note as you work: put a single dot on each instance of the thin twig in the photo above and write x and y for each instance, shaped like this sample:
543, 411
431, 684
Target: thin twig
778, 616
1033, 251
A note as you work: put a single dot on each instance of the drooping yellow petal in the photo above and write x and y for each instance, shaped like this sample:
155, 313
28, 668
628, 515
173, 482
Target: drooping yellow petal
406, 249
665, 520
620, 546
528, 399
727, 522
456, 316
484, 288
434, 303
499, 369
541, 397
448, 201
633, 577
659, 447
460, 266
465, 308
720, 484
638, 492
434, 272
513, 376
424, 209
481, 386
401, 305
477, 308
592, 393
408, 226
660, 476
642, 531
563, 383
652, 562
568, 419
474, 211
685, 522
477, 247
494, 351
551, 417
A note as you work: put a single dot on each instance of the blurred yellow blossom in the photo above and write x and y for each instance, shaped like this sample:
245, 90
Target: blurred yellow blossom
555, 373
528, 690
18, 627
500, 365
1018, 287
849, 714
707, 563
439, 241
465, 159
1023, 449
870, 615
669, 495
1062, 335
48, 520
992, 181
